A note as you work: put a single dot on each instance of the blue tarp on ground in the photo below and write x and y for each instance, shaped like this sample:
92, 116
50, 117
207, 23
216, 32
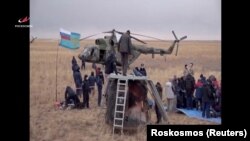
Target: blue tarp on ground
198, 115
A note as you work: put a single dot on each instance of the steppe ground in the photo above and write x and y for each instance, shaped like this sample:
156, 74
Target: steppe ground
47, 124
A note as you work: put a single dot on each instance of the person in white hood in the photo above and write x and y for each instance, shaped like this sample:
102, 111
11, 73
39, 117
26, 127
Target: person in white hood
169, 95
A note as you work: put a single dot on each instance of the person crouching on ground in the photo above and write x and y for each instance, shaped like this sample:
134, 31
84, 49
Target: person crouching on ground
70, 95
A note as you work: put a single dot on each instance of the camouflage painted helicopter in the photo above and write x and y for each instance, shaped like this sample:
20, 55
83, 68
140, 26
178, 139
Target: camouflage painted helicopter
99, 52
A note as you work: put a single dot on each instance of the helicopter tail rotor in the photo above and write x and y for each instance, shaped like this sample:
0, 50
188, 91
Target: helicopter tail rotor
182, 38
177, 41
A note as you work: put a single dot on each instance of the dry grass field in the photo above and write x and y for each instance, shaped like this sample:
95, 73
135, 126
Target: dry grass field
47, 124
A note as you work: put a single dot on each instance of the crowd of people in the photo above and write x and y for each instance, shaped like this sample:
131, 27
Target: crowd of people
184, 92
84, 87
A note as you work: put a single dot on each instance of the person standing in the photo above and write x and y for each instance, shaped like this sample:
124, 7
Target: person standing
186, 71
110, 67
99, 84
92, 81
190, 70
83, 64
157, 111
170, 95
77, 78
86, 91
189, 83
74, 63
124, 47
206, 100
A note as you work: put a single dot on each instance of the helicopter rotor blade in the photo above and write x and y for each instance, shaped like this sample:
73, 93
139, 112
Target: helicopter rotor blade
89, 36
177, 49
182, 38
114, 31
118, 32
148, 36
111, 31
174, 35
138, 40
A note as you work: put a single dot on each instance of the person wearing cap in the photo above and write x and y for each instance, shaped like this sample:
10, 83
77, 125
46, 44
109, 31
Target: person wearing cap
124, 47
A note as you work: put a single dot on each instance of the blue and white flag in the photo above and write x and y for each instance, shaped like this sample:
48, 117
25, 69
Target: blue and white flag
69, 39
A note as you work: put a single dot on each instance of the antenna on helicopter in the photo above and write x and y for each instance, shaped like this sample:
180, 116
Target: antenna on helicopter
177, 41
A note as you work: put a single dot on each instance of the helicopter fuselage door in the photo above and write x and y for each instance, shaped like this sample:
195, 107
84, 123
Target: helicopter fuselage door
91, 53
102, 54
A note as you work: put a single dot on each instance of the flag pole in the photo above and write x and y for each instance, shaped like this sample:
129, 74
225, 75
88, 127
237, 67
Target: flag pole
56, 71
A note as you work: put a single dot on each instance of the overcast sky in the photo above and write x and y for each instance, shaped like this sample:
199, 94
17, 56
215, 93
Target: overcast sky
198, 19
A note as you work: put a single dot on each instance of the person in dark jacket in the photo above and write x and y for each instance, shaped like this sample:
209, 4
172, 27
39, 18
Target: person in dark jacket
77, 79
110, 64
182, 92
86, 91
92, 81
157, 111
101, 76
83, 64
198, 94
99, 83
74, 63
137, 72
143, 70
206, 100
190, 83
203, 78
124, 47
70, 95
110, 67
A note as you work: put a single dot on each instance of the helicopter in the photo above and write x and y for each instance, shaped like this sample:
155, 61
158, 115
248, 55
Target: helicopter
103, 47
